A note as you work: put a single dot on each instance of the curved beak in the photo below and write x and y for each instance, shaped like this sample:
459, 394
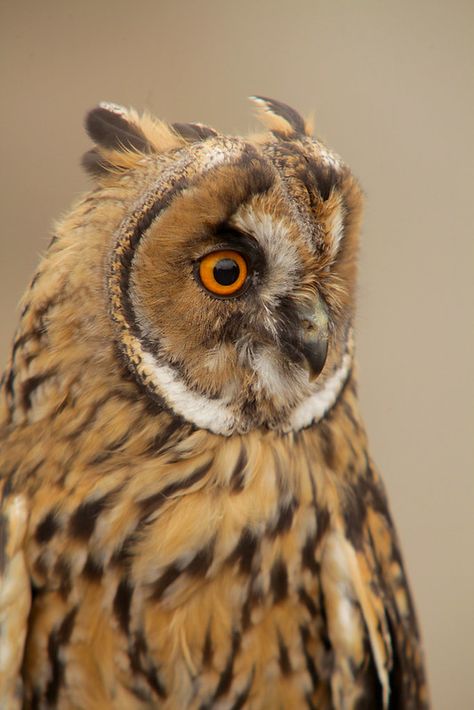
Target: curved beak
314, 335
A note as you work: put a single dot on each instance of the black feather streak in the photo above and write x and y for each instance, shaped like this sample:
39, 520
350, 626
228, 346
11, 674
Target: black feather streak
47, 528
285, 517
29, 386
122, 602
154, 502
84, 518
244, 551
208, 649
92, 570
201, 561
3, 541
284, 658
170, 575
279, 581
310, 666
237, 475
57, 639
225, 679
140, 663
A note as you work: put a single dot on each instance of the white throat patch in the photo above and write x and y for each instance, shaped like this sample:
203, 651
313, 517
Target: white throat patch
219, 417
318, 404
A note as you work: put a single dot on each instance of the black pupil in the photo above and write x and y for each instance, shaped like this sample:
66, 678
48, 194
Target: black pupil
226, 272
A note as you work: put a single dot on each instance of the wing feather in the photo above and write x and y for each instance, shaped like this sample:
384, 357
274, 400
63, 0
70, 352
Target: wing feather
371, 621
15, 599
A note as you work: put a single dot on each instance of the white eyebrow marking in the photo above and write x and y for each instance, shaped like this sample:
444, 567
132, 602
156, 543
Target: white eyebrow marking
280, 252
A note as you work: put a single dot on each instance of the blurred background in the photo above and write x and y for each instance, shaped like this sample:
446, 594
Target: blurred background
390, 85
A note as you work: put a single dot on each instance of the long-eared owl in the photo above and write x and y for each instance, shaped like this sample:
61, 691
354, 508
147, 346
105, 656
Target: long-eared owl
190, 517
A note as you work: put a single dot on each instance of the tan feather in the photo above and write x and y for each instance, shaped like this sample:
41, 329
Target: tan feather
199, 517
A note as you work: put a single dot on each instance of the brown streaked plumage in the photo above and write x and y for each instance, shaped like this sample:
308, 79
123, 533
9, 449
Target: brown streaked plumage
190, 516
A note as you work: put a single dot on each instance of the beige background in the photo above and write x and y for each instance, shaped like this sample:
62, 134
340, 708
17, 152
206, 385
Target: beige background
390, 86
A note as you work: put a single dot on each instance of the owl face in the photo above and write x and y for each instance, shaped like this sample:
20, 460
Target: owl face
231, 276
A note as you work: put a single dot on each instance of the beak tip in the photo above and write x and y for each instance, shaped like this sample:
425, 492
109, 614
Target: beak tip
315, 352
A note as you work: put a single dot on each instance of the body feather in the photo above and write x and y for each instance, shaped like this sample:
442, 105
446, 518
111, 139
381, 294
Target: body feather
215, 538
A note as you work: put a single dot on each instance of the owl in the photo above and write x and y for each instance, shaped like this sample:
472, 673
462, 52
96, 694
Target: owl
190, 517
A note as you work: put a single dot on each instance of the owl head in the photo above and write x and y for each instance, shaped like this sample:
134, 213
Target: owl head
230, 275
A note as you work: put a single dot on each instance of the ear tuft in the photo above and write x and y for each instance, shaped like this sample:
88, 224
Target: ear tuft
281, 118
123, 137
194, 132
94, 163
110, 127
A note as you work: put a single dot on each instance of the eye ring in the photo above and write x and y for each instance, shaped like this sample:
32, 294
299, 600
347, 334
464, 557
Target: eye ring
223, 272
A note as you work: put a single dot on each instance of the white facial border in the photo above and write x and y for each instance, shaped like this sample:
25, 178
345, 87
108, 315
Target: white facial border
217, 416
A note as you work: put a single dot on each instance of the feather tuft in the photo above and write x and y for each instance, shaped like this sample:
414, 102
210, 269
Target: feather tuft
280, 117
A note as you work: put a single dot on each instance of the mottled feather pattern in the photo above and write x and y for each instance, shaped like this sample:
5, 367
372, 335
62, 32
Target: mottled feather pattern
171, 534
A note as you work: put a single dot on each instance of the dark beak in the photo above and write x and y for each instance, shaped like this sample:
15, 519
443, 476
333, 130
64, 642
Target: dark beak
314, 336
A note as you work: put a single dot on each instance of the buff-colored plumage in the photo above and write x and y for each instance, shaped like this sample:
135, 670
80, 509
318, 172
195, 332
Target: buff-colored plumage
189, 519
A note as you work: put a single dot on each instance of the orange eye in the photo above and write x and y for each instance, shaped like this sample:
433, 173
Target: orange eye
223, 272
